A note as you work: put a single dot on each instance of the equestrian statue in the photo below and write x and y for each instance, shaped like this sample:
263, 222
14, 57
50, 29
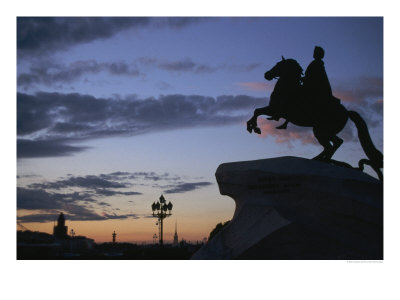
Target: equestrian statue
308, 101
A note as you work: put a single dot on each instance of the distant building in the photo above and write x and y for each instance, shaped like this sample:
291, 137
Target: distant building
176, 241
60, 231
40, 245
80, 243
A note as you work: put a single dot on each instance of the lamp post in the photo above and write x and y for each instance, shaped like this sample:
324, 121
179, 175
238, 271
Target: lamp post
161, 210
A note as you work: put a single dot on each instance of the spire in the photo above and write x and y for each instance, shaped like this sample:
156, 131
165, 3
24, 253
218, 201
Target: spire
176, 241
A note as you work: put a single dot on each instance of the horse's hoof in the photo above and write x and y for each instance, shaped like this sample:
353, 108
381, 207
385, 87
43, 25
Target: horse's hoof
318, 158
257, 130
249, 128
322, 159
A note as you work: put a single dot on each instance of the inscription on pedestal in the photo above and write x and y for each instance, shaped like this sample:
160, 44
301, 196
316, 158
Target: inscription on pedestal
276, 185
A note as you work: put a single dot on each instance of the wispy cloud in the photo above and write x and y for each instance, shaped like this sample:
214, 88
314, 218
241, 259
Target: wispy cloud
188, 65
186, 187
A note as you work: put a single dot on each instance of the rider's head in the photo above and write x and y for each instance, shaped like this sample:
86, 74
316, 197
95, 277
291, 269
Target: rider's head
318, 53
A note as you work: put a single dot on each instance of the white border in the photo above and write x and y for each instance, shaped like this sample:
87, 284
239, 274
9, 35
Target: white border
199, 279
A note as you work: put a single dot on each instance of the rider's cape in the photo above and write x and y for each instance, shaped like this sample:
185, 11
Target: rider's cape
316, 82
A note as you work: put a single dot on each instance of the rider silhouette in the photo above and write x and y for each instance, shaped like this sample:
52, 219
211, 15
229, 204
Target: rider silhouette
316, 84
315, 81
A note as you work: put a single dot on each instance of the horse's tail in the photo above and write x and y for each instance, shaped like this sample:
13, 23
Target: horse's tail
374, 155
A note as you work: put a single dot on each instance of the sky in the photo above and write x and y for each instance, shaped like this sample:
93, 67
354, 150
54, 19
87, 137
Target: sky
114, 112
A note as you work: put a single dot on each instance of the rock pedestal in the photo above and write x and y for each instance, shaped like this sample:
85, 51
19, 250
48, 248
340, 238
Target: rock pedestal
296, 208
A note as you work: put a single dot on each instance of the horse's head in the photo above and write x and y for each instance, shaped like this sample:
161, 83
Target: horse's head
286, 67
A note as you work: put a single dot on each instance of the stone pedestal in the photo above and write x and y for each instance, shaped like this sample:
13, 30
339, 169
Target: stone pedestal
296, 208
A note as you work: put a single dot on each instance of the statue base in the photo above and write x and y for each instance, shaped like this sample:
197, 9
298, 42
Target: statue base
296, 208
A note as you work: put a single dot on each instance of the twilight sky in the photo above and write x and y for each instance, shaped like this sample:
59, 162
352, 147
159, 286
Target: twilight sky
114, 112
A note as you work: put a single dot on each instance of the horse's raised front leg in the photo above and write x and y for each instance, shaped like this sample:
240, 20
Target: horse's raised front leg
252, 123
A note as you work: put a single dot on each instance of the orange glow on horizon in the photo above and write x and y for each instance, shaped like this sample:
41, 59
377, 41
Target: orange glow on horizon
136, 230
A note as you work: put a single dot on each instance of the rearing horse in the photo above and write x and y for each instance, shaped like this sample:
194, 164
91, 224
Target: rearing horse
290, 101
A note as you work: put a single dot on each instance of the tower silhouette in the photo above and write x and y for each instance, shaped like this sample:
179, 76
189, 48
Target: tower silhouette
113, 237
176, 242
60, 231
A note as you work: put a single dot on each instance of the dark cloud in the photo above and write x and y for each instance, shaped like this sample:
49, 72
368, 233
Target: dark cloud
48, 73
31, 199
86, 182
74, 205
38, 218
83, 216
46, 148
44, 35
28, 176
106, 192
142, 176
48, 124
104, 204
101, 184
186, 187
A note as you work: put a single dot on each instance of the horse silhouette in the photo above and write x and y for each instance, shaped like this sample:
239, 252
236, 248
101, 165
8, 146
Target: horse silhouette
327, 117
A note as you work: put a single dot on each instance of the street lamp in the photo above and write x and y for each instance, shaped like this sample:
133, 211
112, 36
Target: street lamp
161, 210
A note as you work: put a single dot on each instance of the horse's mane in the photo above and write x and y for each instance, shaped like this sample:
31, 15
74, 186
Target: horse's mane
294, 67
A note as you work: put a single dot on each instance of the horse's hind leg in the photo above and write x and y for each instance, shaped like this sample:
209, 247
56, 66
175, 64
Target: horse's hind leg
337, 142
364, 161
323, 139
